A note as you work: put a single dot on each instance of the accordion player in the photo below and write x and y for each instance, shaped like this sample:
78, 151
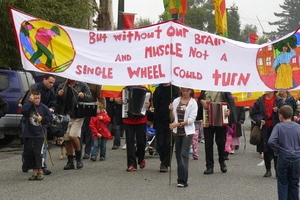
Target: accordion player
215, 115
134, 99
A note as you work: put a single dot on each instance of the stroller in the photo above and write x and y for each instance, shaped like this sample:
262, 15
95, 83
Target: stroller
150, 137
150, 134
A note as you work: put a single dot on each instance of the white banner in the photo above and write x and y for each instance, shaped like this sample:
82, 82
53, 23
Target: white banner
166, 52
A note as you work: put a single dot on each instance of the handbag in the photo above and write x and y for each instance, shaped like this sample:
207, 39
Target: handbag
255, 135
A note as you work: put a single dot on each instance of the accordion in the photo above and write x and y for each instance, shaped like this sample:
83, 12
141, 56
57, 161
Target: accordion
134, 99
215, 115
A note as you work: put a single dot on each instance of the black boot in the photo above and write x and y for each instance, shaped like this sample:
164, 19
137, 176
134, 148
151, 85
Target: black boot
268, 173
223, 167
226, 155
70, 163
79, 163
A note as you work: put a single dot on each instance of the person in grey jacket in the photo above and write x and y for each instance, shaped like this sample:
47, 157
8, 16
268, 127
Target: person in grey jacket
77, 92
285, 141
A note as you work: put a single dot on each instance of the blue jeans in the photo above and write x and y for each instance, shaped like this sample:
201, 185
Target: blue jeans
182, 148
99, 142
116, 131
288, 173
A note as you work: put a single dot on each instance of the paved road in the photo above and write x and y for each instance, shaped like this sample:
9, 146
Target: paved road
109, 180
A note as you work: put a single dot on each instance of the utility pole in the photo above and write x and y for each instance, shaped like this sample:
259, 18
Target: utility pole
120, 14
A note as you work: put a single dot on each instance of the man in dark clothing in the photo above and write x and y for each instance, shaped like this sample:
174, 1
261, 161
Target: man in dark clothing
78, 92
205, 98
114, 110
163, 95
86, 134
36, 117
48, 98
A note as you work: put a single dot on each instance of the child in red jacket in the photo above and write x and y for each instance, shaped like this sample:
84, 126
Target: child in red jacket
101, 134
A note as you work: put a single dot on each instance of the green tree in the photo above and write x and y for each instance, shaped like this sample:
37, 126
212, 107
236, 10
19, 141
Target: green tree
142, 22
248, 28
233, 23
200, 16
75, 13
289, 18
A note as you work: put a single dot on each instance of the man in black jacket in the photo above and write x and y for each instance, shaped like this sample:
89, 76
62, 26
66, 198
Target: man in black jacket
48, 98
163, 95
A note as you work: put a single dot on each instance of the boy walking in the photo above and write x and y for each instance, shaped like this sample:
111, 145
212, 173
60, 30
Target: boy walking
285, 141
36, 116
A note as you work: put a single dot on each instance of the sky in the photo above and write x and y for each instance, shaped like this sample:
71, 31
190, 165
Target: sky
250, 11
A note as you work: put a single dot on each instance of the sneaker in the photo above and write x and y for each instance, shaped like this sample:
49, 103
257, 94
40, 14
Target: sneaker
79, 164
46, 171
32, 178
40, 176
195, 158
131, 169
124, 147
202, 141
231, 152
143, 164
86, 156
163, 168
182, 185
93, 158
102, 159
115, 147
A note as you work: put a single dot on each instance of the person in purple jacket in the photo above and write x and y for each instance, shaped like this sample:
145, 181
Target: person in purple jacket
285, 141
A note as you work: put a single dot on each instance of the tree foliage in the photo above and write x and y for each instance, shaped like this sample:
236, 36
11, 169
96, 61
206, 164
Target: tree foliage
75, 13
289, 18
248, 28
200, 16
140, 22
233, 23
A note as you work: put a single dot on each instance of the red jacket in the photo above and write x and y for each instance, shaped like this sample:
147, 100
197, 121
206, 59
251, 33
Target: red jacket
100, 126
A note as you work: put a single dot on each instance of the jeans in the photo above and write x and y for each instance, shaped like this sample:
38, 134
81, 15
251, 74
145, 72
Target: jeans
182, 148
288, 173
99, 142
116, 131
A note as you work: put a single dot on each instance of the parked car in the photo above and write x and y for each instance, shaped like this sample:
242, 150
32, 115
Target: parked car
13, 86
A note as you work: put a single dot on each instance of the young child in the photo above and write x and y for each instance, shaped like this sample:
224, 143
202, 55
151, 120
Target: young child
285, 141
101, 134
195, 140
36, 116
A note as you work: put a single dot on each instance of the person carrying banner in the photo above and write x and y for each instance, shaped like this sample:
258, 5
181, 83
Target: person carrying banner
80, 92
48, 98
36, 117
183, 111
163, 95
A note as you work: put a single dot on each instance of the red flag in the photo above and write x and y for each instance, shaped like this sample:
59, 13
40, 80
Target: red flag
128, 20
252, 38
